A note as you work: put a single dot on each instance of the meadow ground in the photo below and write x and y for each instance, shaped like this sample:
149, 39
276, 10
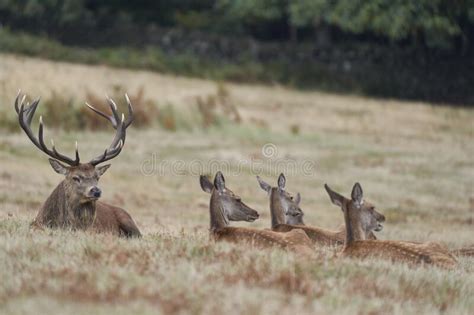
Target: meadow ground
414, 161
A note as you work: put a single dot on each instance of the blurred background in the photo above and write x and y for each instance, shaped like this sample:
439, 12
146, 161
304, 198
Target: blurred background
418, 50
377, 91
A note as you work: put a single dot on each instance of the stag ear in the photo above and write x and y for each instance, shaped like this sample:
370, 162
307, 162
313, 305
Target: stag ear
357, 194
298, 198
206, 184
58, 167
219, 182
281, 181
101, 169
263, 184
336, 198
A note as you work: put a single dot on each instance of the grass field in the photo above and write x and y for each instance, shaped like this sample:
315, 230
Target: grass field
414, 161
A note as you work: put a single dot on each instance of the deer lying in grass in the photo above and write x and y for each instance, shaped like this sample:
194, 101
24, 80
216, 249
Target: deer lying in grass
225, 206
74, 202
465, 251
287, 215
357, 215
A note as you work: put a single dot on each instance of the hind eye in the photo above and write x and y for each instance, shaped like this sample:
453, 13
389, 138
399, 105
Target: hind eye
77, 179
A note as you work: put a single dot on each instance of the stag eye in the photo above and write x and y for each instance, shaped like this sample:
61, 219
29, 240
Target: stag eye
77, 179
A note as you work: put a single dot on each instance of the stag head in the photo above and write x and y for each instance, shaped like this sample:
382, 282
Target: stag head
81, 178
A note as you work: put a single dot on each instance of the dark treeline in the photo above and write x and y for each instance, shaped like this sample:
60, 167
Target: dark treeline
442, 24
428, 37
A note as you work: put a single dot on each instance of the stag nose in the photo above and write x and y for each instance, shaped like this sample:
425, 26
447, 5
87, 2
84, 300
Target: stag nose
95, 192
382, 218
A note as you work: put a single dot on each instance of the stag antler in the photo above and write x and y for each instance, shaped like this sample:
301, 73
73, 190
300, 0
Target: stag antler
25, 116
119, 124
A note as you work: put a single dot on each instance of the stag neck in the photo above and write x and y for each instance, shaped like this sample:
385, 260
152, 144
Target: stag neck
84, 214
276, 208
63, 209
76, 213
216, 208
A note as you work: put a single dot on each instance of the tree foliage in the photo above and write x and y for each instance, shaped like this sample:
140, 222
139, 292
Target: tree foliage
433, 23
436, 22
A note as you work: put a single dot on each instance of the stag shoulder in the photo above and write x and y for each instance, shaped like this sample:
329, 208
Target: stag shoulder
115, 220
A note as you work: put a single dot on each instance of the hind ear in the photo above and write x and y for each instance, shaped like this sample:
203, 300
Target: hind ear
336, 198
219, 182
281, 181
357, 195
58, 167
206, 184
263, 184
298, 198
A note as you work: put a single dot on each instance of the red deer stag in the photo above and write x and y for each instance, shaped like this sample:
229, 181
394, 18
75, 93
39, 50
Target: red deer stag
74, 202
225, 206
287, 215
357, 216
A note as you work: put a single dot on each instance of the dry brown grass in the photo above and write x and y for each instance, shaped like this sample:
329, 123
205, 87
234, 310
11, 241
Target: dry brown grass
216, 107
145, 112
414, 162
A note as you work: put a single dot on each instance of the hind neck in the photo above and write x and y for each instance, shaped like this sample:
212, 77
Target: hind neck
216, 212
277, 211
354, 230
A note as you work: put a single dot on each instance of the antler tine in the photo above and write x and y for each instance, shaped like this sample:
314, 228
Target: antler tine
54, 153
17, 106
120, 125
114, 118
57, 154
30, 110
25, 126
113, 108
109, 118
130, 111
119, 134
25, 116
108, 154
77, 152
